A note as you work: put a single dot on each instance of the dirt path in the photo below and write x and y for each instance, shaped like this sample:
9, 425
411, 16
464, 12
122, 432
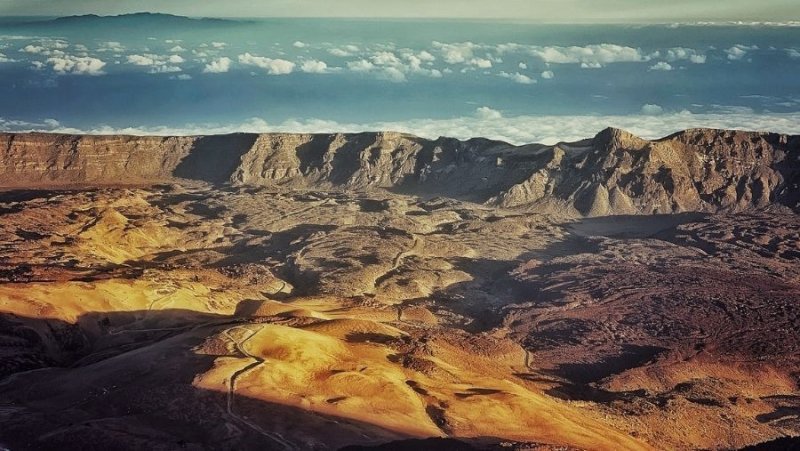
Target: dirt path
415, 249
240, 347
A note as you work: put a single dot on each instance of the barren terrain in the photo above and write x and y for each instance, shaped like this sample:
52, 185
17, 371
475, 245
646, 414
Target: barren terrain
326, 291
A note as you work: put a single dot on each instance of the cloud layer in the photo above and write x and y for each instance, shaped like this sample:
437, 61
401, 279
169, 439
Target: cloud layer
486, 122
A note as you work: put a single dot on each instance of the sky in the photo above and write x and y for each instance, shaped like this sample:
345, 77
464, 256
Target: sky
617, 11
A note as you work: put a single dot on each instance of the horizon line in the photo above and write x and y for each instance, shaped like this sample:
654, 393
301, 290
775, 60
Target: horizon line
708, 21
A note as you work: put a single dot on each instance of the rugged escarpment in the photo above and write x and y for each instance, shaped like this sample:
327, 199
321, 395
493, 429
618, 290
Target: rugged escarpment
613, 173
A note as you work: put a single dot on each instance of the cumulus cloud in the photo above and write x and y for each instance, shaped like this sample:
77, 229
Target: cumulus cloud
177, 49
34, 49
393, 74
661, 66
272, 66
426, 56
590, 56
157, 64
548, 75
518, 78
314, 67
78, 65
698, 59
300, 44
141, 60
593, 56
388, 65
456, 53
219, 45
344, 52
47, 47
5, 59
681, 54
463, 53
485, 112
360, 66
739, 51
218, 66
111, 46
481, 63
793, 53
650, 109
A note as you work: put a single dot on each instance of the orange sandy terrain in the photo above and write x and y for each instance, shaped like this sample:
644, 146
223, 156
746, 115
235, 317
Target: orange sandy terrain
201, 314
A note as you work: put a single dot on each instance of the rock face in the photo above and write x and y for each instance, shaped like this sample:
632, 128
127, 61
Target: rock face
613, 173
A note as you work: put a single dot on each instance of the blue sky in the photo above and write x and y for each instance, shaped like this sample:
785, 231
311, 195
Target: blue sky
543, 10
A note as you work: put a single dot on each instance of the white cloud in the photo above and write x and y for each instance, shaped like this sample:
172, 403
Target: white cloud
385, 59
77, 65
111, 46
481, 63
393, 74
661, 66
345, 51
314, 67
396, 67
177, 49
484, 123
35, 49
739, 51
142, 60
485, 112
218, 66
47, 47
272, 66
181, 77
681, 54
650, 109
360, 66
426, 56
300, 44
158, 64
548, 75
793, 53
590, 56
339, 52
456, 53
5, 59
518, 78
219, 45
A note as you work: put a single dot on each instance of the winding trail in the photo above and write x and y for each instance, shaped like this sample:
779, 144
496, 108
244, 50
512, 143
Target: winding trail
257, 360
415, 249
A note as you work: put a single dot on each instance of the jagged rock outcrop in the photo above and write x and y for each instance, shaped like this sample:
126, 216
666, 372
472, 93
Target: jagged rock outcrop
613, 173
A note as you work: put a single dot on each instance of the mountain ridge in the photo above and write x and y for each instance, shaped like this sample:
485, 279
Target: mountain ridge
141, 18
615, 172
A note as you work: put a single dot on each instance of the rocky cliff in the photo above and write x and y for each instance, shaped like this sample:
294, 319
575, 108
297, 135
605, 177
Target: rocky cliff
613, 173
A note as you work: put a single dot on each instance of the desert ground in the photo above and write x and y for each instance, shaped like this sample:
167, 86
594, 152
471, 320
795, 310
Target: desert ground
197, 312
